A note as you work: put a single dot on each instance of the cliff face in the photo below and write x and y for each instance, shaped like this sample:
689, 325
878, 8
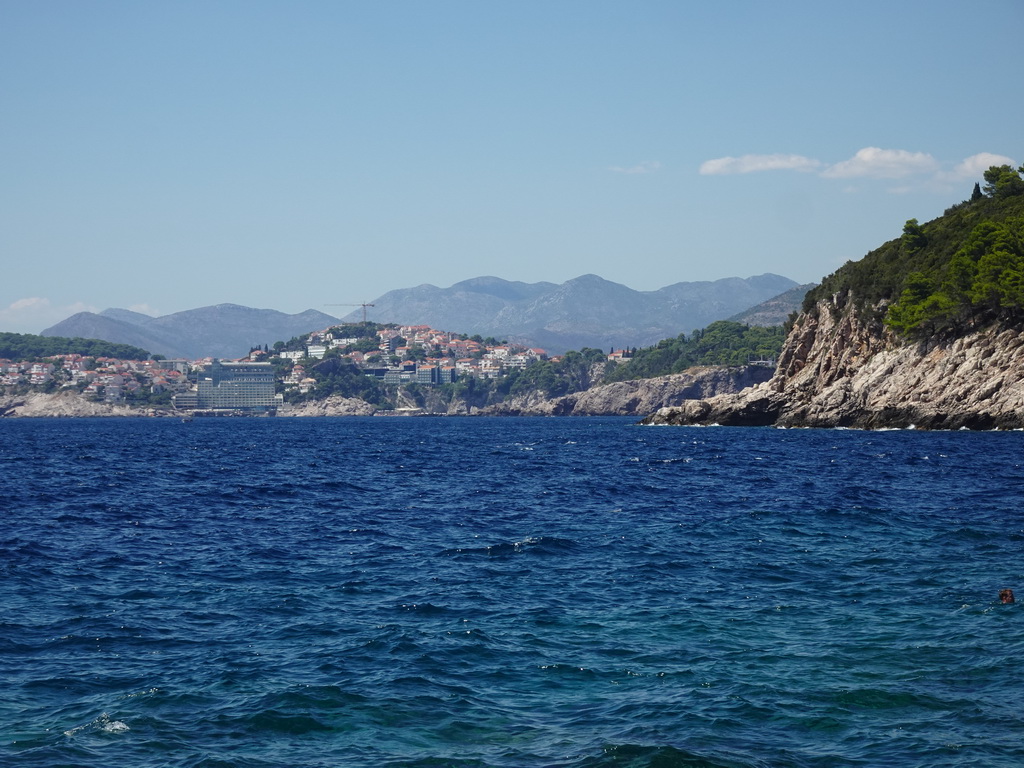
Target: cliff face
840, 369
635, 398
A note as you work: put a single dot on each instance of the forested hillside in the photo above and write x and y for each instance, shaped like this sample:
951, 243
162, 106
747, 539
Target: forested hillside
950, 275
26, 346
721, 343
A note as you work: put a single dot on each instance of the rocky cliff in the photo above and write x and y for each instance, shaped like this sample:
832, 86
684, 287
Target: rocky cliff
635, 398
839, 367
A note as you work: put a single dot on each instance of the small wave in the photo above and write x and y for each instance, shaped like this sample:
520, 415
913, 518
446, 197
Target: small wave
147, 692
570, 669
539, 545
137, 594
427, 609
642, 756
336, 485
877, 698
294, 724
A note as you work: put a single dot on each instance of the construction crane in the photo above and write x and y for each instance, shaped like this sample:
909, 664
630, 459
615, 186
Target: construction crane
364, 306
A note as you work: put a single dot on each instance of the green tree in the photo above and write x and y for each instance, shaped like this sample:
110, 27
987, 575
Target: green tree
909, 312
994, 287
1003, 181
913, 236
959, 283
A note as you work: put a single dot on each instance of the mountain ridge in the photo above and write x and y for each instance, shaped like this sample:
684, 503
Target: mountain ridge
587, 311
220, 330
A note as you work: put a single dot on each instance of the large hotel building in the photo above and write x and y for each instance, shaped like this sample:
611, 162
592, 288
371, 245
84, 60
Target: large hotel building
245, 387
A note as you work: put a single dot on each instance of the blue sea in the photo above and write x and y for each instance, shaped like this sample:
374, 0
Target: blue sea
427, 592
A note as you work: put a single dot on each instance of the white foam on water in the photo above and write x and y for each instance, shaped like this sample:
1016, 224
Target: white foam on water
102, 723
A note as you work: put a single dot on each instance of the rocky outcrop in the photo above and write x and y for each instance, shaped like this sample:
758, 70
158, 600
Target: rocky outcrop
840, 368
74, 404
334, 405
635, 398
63, 404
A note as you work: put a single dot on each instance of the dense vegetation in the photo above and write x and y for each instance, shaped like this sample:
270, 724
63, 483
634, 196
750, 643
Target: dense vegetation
721, 343
365, 333
26, 346
572, 373
336, 376
949, 275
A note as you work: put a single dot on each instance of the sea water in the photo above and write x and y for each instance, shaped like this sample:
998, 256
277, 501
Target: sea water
507, 592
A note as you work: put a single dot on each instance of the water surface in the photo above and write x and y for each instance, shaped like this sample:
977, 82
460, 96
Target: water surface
506, 592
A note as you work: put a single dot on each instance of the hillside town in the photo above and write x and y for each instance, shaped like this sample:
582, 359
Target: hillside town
412, 353
266, 378
100, 378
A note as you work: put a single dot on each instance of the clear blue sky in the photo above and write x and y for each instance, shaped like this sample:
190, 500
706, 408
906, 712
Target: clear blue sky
166, 156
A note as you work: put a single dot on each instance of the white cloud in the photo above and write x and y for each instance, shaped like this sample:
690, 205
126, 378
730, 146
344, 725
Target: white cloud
648, 166
34, 314
975, 166
918, 170
754, 163
876, 163
29, 305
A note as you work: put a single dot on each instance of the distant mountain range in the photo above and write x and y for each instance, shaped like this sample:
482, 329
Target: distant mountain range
587, 311
223, 330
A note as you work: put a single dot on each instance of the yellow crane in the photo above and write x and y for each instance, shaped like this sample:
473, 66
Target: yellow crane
364, 306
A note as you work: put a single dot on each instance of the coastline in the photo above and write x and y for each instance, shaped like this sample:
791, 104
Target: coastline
69, 404
637, 398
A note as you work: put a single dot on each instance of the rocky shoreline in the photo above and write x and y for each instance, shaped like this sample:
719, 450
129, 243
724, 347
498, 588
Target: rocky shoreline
67, 404
627, 398
638, 397
840, 369
335, 405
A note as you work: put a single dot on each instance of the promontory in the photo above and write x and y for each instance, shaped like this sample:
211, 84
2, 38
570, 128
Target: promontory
925, 331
